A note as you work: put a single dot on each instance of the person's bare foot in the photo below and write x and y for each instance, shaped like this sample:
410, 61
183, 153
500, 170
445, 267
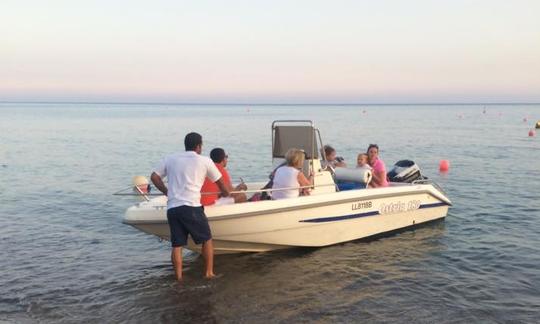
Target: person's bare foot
213, 276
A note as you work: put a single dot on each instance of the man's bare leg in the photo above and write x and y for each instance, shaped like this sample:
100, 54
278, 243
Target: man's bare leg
208, 255
176, 258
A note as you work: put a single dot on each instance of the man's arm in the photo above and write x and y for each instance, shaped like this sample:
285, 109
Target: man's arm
224, 190
158, 182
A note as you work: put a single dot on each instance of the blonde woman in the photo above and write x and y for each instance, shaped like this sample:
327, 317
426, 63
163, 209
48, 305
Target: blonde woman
291, 176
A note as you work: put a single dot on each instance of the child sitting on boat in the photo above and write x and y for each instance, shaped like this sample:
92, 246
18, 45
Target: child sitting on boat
362, 162
332, 159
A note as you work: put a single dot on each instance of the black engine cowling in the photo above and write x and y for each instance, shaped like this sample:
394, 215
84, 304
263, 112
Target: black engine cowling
405, 171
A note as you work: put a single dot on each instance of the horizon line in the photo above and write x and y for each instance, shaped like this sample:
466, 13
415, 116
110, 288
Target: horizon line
271, 103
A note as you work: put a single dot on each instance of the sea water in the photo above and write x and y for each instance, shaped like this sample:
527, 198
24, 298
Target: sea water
66, 257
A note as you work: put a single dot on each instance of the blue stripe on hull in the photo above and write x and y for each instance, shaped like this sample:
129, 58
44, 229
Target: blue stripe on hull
371, 213
338, 218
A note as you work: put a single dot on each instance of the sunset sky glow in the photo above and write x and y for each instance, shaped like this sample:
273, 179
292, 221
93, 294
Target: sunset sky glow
270, 51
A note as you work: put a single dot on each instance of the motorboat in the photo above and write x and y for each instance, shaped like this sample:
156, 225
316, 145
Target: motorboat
329, 215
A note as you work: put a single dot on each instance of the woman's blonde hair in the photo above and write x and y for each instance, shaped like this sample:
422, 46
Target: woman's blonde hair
295, 157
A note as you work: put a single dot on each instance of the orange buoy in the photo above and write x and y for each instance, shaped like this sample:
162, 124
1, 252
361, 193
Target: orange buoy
532, 133
444, 165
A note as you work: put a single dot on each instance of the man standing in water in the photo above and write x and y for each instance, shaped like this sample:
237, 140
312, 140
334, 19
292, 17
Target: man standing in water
186, 172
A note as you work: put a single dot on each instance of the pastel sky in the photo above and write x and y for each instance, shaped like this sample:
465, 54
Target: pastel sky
376, 51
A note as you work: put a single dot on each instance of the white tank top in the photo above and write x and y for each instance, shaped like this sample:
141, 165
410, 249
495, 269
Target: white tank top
286, 177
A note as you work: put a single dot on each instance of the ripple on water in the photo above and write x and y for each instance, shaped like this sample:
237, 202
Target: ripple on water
65, 256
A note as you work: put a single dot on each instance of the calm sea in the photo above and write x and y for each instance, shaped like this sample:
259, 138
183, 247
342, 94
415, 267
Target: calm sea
66, 257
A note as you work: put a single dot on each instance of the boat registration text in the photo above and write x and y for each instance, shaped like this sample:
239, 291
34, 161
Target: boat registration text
361, 205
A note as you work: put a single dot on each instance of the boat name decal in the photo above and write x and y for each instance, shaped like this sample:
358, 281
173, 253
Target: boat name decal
361, 205
399, 206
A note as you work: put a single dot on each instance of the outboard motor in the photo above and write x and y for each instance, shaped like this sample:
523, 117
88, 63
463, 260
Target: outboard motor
404, 171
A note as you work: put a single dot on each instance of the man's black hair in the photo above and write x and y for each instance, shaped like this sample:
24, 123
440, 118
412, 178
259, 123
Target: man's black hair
192, 140
217, 155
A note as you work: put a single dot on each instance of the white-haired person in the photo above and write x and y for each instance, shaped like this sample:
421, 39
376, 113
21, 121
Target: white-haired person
289, 178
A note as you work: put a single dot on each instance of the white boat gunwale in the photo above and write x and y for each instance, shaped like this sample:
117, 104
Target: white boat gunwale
300, 206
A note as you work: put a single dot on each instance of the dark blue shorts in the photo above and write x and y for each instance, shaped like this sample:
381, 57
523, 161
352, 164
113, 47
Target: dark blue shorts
184, 220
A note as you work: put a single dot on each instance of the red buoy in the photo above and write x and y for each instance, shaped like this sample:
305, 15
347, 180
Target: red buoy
444, 165
532, 133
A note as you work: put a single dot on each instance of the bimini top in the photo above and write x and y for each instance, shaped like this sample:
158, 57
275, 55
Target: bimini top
299, 134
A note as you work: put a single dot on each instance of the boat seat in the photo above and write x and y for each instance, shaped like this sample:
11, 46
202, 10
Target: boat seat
349, 185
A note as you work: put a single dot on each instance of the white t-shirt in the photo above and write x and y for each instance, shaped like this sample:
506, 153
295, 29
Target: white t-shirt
286, 177
186, 172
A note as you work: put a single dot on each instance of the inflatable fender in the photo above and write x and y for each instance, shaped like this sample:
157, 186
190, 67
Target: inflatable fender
354, 175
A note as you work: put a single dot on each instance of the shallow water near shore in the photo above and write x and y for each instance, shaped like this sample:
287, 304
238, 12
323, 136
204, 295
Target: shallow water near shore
66, 257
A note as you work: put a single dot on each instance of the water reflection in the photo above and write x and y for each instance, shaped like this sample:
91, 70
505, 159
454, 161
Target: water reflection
301, 283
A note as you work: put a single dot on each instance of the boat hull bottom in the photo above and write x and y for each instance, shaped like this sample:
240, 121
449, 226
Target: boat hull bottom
220, 246
227, 247
223, 246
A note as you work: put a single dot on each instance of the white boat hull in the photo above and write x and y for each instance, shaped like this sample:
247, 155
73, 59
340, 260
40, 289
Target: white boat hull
310, 221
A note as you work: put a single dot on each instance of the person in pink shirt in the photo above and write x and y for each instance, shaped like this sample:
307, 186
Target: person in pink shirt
379, 169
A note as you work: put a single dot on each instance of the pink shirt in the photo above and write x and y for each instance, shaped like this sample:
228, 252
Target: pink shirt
379, 167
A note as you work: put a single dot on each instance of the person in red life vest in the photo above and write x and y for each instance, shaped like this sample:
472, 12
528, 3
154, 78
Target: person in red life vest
209, 190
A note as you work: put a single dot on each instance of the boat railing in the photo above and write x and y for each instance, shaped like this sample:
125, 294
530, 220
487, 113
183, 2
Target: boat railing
431, 182
136, 191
